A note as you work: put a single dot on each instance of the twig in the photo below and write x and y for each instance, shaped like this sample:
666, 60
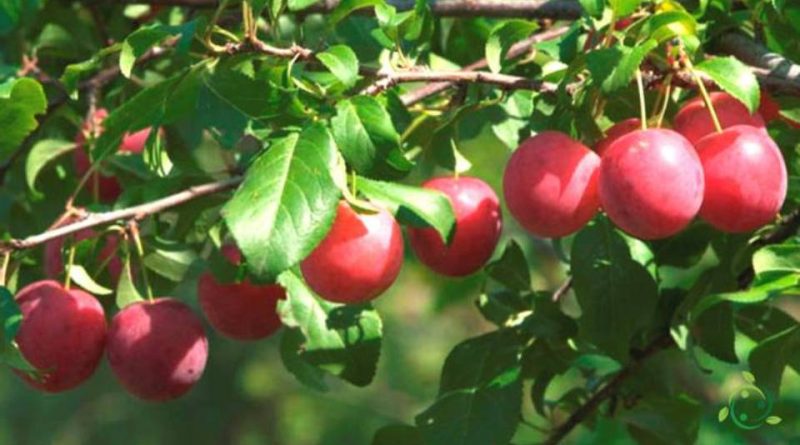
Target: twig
516, 50
136, 212
562, 290
506, 81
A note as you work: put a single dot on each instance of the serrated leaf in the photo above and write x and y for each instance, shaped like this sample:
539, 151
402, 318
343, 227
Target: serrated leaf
760, 291
42, 153
614, 68
342, 62
80, 276
735, 78
172, 263
286, 203
480, 393
612, 289
502, 37
416, 206
126, 288
781, 258
344, 340
365, 135
306, 373
511, 269
141, 40
21, 101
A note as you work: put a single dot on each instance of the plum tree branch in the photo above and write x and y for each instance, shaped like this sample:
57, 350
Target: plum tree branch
136, 212
505, 81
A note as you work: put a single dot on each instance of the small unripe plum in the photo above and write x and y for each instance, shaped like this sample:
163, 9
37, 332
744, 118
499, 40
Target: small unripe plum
550, 184
157, 349
651, 183
53, 262
746, 179
615, 132
477, 230
62, 334
359, 258
242, 311
694, 121
108, 187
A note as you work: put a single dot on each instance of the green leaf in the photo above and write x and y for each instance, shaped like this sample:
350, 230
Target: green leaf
781, 259
126, 288
20, 101
171, 262
73, 73
500, 306
286, 203
416, 206
342, 62
344, 340
623, 8
715, 333
42, 153
297, 5
502, 37
140, 41
735, 78
769, 358
669, 24
612, 289
347, 7
659, 419
479, 395
614, 68
291, 344
593, 7
760, 291
364, 133
80, 276
10, 315
511, 269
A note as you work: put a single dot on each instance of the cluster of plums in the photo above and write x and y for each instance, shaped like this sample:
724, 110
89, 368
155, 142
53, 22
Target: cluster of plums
652, 182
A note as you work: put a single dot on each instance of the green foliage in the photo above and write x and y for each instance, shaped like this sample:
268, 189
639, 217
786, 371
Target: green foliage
292, 178
556, 324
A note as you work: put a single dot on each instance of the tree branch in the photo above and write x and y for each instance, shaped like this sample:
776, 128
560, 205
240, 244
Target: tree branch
518, 49
505, 81
772, 68
136, 212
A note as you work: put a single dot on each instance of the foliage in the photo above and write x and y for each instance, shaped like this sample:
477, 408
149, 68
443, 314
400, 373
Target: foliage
282, 107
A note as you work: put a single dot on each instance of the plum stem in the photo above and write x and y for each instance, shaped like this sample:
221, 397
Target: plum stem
4, 267
642, 104
70, 262
137, 242
704, 93
667, 91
